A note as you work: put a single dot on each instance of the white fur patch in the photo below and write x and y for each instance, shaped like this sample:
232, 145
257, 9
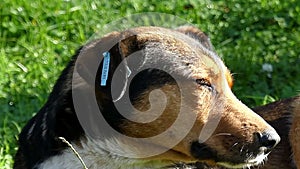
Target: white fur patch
259, 160
95, 156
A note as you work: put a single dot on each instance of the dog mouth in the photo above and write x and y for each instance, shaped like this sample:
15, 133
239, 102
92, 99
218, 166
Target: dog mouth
257, 161
252, 162
209, 158
205, 154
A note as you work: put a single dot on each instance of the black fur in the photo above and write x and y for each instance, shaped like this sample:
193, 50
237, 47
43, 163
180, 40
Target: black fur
57, 118
39, 138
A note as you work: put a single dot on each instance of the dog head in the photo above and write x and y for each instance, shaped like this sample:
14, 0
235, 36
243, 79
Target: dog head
179, 70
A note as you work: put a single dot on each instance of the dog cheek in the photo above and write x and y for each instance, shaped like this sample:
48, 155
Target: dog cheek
236, 127
204, 105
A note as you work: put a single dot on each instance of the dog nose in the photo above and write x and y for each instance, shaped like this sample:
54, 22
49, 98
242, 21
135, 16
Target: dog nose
268, 139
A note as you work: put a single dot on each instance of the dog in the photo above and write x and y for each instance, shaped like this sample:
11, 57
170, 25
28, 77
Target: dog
182, 72
283, 115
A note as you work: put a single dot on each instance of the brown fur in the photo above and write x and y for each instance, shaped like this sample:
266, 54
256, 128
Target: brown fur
236, 118
295, 132
283, 115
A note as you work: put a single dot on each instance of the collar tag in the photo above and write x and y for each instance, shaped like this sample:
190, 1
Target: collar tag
105, 68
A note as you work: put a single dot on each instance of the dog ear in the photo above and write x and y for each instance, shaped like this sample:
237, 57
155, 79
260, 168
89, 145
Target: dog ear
198, 35
91, 62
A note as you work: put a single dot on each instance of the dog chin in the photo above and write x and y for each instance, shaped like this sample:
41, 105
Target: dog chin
257, 161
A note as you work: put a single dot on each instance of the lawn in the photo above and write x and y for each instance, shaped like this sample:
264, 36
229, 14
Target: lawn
258, 40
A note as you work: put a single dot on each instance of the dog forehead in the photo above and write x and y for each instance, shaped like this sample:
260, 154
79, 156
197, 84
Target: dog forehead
181, 50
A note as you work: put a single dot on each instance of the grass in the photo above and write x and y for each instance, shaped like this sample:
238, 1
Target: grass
38, 37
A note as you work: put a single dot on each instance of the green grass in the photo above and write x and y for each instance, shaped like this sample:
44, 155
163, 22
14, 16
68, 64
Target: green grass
38, 37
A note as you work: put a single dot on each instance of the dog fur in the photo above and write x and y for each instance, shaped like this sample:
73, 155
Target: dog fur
186, 52
283, 115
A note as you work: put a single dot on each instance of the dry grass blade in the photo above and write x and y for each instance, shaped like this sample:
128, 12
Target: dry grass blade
75, 152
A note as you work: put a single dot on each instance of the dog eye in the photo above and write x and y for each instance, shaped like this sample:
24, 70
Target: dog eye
204, 82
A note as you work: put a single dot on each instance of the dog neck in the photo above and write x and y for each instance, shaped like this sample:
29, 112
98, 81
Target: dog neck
95, 155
